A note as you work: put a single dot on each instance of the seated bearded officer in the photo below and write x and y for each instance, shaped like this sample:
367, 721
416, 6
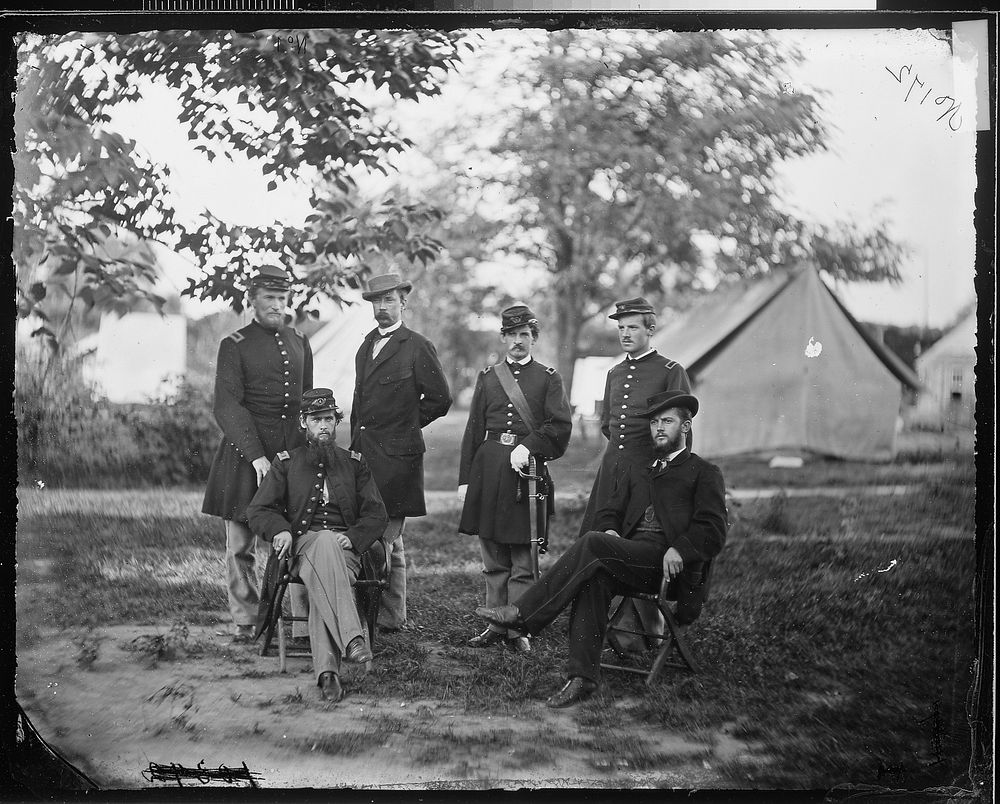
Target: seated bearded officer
319, 506
662, 520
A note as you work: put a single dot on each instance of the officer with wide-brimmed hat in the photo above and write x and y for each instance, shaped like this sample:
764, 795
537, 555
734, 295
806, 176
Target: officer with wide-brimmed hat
400, 388
260, 374
519, 409
663, 521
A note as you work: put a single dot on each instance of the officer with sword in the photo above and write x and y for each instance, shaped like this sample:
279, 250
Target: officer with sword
519, 419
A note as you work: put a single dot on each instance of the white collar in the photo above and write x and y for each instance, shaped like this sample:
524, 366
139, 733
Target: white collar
640, 357
389, 330
671, 456
519, 362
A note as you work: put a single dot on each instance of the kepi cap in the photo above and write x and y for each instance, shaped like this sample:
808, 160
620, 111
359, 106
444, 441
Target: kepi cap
383, 283
270, 277
670, 399
636, 306
517, 315
318, 400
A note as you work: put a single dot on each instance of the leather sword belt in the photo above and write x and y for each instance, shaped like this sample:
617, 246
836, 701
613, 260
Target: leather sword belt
507, 439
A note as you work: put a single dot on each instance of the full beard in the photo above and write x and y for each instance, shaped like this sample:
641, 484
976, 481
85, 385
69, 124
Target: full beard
320, 451
668, 447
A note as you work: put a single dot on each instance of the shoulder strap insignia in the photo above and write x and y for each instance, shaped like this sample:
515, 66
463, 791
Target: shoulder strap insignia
356, 456
550, 370
236, 337
283, 455
670, 363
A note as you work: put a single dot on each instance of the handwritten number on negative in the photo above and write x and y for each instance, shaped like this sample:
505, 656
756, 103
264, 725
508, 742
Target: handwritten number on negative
916, 81
899, 78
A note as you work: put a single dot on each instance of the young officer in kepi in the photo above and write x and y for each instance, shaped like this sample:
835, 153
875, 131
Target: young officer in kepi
519, 409
643, 373
261, 372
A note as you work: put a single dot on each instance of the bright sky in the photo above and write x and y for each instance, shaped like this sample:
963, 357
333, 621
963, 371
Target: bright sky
890, 157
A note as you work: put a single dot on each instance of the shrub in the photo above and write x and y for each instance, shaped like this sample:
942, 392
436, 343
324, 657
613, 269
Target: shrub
70, 435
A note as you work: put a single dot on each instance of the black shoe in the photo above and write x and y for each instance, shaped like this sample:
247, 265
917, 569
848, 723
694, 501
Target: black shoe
577, 689
329, 687
520, 644
504, 616
357, 651
485, 639
242, 634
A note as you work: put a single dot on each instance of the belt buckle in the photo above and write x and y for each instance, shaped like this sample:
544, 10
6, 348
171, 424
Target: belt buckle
508, 439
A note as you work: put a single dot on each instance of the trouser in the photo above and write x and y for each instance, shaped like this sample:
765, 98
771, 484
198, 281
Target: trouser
241, 546
328, 572
392, 611
587, 576
508, 572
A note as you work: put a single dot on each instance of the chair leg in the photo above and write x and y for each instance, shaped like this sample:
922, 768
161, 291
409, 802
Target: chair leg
282, 663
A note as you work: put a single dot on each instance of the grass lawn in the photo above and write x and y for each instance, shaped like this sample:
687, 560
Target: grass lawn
838, 640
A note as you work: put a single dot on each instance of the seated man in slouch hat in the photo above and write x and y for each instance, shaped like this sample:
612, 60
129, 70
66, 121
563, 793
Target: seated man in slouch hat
319, 506
664, 520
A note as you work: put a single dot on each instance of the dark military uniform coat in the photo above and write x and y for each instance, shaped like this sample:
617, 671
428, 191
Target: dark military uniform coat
395, 395
491, 509
260, 375
628, 386
291, 490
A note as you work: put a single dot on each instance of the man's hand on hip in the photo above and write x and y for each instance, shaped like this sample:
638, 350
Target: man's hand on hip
672, 564
282, 544
261, 466
519, 457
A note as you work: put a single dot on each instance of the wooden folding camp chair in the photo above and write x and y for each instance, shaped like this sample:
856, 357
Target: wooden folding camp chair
672, 651
372, 580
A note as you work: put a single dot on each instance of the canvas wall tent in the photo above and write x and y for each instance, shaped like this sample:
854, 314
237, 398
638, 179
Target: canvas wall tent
334, 347
948, 372
779, 364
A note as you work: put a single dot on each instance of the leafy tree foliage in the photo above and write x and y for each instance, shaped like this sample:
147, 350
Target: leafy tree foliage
628, 148
286, 99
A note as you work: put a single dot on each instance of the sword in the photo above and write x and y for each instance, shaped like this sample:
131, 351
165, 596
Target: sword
536, 509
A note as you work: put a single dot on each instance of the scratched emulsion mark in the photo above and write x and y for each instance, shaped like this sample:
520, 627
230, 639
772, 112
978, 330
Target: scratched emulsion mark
891, 564
814, 348
200, 774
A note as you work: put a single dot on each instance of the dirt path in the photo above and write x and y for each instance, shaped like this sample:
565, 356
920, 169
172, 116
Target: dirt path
226, 705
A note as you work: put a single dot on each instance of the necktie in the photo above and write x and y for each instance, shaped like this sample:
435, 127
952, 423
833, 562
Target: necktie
380, 341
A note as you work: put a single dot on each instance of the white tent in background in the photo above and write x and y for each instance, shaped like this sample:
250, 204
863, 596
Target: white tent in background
778, 363
948, 371
139, 356
334, 347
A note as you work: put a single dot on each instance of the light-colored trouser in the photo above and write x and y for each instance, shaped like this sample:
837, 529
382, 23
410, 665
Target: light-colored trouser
392, 611
508, 572
241, 547
328, 572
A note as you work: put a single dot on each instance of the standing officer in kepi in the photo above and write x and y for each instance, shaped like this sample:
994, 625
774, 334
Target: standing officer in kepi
519, 409
260, 374
399, 388
643, 373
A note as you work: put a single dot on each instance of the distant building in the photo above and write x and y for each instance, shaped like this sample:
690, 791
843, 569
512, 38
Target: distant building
948, 372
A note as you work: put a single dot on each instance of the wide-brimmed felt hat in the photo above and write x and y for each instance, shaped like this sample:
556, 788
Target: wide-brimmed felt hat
383, 283
270, 277
670, 399
318, 400
636, 306
517, 315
